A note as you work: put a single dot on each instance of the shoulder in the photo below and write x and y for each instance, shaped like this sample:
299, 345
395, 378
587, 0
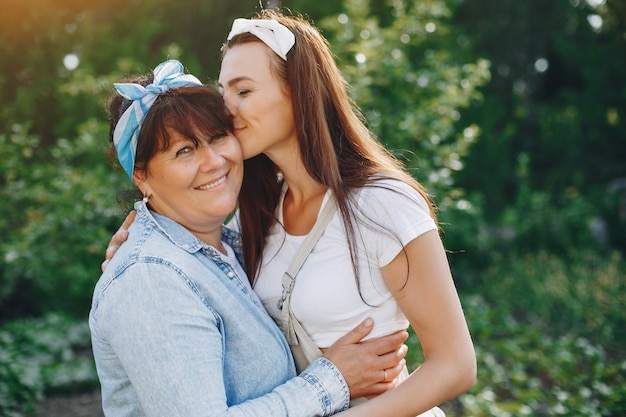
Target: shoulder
389, 193
148, 252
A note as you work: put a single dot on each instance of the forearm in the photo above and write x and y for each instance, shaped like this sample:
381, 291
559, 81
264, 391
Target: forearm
433, 383
318, 391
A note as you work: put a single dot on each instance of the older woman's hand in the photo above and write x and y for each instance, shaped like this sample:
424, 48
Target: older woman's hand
370, 368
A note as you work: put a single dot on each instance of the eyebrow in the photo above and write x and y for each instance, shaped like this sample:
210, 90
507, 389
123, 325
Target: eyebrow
235, 81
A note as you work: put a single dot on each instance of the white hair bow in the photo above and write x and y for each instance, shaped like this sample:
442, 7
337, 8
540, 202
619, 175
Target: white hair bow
273, 34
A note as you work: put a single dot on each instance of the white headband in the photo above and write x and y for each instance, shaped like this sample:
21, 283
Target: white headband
273, 34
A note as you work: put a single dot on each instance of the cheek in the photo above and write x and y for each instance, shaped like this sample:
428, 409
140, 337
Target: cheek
233, 151
247, 148
249, 111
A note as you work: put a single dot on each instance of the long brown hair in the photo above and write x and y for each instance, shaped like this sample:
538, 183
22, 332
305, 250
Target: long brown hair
337, 148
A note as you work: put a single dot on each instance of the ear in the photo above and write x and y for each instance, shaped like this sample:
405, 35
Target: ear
139, 178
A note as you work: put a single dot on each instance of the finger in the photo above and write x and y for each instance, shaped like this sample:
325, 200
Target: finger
104, 264
357, 334
116, 241
110, 252
391, 359
381, 388
389, 343
394, 371
130, 218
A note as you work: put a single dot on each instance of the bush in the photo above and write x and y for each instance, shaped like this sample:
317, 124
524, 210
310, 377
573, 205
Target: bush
525, 372
58, 213
584, 292
38, 356
549, 338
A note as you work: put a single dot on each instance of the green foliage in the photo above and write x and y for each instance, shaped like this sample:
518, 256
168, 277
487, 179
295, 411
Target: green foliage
410, 73
552, 222
551, 105
549, 338
524, 371
58, 211
560, 223
38, 356
584, 291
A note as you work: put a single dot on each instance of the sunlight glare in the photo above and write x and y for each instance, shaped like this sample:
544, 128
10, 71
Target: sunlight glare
71, 61
595, 21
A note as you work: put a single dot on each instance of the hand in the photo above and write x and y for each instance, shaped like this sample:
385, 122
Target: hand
369, 368
118, 238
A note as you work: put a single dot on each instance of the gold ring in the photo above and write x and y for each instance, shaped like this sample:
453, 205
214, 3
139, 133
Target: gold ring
385, 371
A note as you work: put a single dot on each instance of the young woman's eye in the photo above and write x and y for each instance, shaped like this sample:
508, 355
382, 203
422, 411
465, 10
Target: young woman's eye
242, 92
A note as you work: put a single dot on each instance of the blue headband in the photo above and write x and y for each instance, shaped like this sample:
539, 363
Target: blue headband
167, 76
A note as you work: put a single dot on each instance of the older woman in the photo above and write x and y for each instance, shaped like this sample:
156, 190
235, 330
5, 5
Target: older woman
176, 328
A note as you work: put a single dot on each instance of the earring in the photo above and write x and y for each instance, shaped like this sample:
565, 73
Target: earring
145, 198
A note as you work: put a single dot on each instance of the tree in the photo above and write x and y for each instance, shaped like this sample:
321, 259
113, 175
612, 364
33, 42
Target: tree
552, 121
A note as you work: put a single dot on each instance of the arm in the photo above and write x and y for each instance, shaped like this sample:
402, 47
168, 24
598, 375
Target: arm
420, 280
170, 346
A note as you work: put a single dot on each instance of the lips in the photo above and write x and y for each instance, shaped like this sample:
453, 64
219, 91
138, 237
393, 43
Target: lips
213, 184
237, 130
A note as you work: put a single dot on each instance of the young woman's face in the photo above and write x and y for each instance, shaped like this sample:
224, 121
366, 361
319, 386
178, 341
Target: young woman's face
195, 186
262, 111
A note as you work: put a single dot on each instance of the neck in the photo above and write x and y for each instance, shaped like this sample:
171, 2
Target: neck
302, 202
305, 194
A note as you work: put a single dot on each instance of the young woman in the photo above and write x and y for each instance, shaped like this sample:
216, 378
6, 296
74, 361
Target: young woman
381, 255
176, 328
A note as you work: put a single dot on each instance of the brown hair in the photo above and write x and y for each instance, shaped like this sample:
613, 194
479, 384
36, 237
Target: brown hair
337, 148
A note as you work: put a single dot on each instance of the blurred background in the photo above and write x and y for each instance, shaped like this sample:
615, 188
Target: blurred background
512, 113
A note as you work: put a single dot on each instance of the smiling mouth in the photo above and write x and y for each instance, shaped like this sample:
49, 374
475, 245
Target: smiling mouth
237, 130
213, 184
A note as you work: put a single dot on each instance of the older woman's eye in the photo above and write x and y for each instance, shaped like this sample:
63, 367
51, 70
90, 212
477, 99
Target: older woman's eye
184, 150
218, 136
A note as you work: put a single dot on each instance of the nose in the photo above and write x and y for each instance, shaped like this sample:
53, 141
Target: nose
209, 158
230, 106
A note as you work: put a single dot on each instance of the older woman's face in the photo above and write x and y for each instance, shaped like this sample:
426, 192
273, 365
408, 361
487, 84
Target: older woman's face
195, 186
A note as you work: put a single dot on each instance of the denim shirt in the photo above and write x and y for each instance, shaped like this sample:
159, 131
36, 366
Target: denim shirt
175, 332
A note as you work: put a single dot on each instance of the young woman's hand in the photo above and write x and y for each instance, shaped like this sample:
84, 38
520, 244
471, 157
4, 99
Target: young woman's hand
370, 368
118, 238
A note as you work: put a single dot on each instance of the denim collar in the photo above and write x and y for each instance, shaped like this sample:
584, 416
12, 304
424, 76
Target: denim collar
179, 235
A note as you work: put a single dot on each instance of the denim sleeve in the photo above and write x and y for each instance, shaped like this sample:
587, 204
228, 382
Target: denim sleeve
318, 391
170, 346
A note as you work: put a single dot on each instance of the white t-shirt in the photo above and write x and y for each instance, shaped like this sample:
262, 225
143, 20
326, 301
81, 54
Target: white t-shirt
326, 299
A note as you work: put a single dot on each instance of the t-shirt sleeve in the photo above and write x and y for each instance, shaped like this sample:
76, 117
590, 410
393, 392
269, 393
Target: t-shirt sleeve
391, 214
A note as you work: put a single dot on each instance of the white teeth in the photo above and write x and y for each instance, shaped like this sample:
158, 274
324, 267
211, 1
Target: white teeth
212, 185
